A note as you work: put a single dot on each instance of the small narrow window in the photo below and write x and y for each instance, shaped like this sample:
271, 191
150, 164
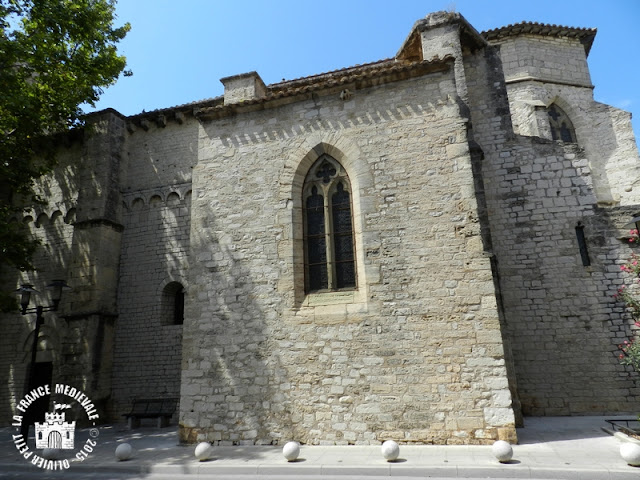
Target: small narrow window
328, 228
178, 308
582, 245
173, 304
561, 126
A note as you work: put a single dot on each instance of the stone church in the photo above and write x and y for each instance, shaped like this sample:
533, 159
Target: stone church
423, 248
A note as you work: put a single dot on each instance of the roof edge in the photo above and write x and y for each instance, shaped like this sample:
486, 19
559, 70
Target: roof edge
586, 36
468, 34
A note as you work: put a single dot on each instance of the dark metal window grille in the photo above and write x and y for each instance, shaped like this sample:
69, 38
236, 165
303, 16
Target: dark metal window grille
328, 236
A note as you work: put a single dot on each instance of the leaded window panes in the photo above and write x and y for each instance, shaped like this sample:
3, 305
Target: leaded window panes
328, 235
561, 126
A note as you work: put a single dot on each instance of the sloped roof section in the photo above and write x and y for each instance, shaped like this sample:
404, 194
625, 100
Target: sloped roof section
584, 35
359, 76
411, 48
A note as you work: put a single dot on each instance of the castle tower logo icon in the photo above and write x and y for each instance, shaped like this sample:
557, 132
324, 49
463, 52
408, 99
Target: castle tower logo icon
55, 432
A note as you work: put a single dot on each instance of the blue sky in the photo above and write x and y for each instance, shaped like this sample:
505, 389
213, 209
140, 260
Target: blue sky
178, 51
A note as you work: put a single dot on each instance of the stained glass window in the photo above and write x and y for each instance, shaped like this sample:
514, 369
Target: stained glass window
561, 126
343, 238
316, 242
328, 237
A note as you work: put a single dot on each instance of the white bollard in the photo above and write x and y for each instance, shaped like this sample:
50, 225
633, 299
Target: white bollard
390, 450
51, 453
203, 451
291, 451
124, 452
502, 451
630, 453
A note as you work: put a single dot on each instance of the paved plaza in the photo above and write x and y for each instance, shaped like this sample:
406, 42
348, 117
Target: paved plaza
549, 448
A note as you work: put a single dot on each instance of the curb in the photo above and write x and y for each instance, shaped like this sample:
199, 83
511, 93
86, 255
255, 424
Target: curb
208, 470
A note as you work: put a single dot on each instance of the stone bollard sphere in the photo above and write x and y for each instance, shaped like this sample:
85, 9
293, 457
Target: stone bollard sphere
203, 451
630, 453
123, 452
502, 451
51, 453
291, 451
390, 450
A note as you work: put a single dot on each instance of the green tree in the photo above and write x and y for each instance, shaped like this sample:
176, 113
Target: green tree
55, 56
629, 295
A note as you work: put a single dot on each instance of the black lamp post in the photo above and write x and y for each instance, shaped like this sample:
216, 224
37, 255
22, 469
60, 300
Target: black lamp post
25, 291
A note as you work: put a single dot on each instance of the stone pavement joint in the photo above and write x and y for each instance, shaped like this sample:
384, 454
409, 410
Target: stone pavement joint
549, 448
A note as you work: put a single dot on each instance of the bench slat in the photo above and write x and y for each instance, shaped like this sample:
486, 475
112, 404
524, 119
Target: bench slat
152, 407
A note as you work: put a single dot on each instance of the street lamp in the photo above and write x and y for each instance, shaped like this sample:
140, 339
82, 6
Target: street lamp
25, 291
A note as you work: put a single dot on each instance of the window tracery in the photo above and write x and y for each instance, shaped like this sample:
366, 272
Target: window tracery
328, 228
561, 126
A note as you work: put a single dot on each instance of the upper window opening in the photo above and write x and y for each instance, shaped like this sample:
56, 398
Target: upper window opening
561, 126
328, 228
178, 308
173, 304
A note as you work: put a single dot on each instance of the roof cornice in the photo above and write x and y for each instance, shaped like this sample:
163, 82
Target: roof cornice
411, 48
355, 78
584, 35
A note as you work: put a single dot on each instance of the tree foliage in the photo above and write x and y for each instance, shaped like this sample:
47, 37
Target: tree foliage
55, 56
629, 295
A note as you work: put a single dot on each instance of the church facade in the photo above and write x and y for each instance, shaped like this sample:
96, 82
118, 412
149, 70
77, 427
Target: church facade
421, 249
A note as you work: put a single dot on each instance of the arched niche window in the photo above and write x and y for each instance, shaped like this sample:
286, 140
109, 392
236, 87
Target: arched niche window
561, 126
328, 228
173, 304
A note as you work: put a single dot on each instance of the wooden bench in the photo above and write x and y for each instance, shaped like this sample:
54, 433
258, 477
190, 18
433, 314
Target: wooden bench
160, 408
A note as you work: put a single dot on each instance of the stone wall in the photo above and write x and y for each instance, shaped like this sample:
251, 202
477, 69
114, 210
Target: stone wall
472, 297
561, 317
155, 256
553, 59
415, 354
54, 229
541, 70
148, 349
560, 314
67, 345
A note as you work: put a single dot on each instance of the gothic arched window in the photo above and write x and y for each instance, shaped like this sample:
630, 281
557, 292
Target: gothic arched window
328, 228
561, 126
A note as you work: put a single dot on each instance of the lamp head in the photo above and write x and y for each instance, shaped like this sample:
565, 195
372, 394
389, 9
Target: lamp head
56, 287
25, 292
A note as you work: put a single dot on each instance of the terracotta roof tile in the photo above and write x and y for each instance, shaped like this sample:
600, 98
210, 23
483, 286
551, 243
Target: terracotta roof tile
332, 73
585, 35
382, 69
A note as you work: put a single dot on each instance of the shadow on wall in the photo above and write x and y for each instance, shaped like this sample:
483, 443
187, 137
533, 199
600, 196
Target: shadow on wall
560, 313
153, 277
233, 382
52, 224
